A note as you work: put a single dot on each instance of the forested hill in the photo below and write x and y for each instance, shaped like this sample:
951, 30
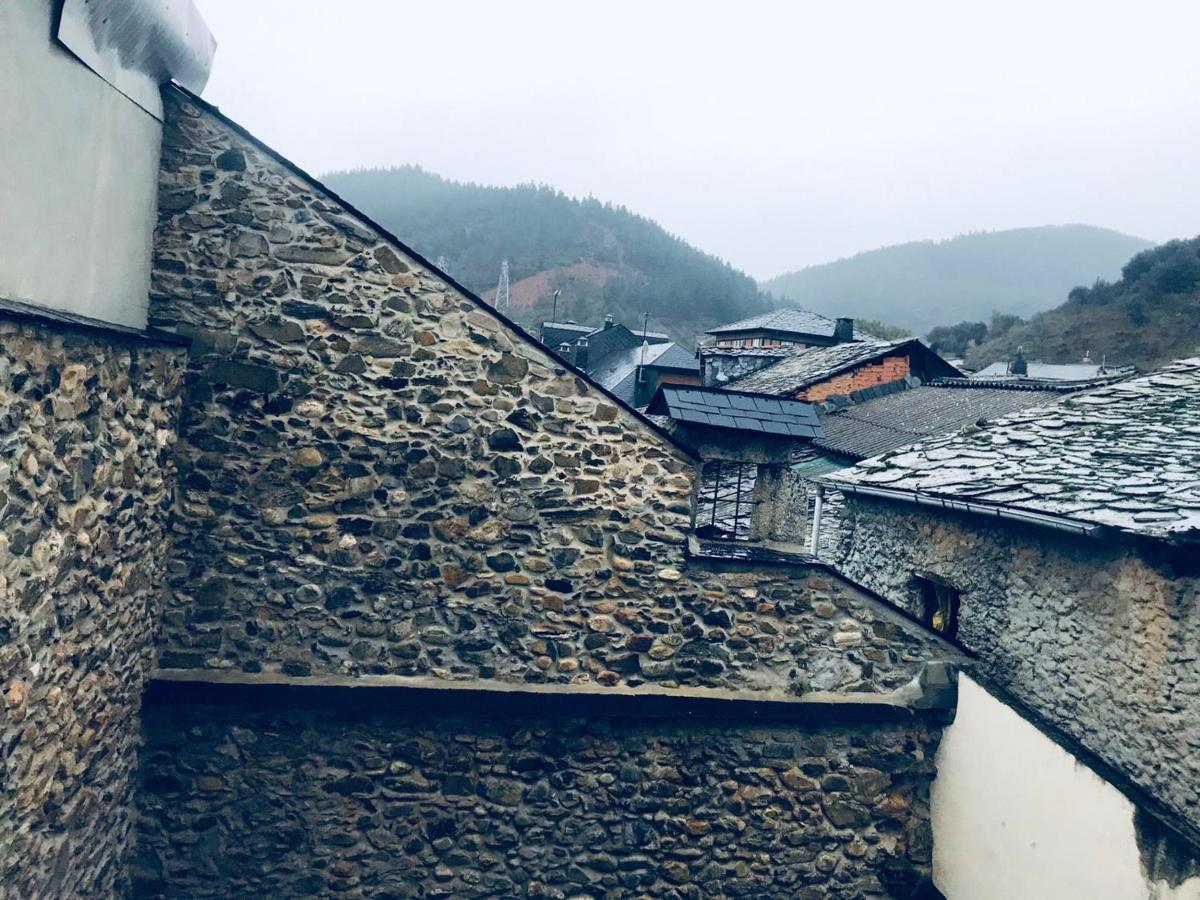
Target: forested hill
1149, 317
919, 285
602, 257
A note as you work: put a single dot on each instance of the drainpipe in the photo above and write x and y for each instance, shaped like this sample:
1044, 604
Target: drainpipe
814, 536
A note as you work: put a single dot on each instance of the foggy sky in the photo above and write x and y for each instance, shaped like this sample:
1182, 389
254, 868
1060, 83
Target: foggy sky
773, 135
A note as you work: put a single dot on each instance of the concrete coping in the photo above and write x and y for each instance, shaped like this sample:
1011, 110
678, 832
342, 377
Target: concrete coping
58, 319
932, 695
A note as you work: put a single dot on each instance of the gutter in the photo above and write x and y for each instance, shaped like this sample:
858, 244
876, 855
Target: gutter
1043, 520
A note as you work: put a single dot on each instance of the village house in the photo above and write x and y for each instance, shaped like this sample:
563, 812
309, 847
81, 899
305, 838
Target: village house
632, 365
1059, 546
745, 346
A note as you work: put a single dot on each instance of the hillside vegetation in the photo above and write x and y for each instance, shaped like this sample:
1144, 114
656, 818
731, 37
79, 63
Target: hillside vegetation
602, 257
919, 285
1148, 317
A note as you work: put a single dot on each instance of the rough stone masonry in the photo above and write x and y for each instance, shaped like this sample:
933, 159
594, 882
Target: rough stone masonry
381, 479
1095, 637
321, 802
377, 476
87, 422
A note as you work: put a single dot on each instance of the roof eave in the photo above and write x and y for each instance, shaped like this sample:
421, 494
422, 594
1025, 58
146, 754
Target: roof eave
990, 510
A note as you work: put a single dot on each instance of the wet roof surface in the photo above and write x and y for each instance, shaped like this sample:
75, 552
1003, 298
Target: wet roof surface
798, 321
618, 371
876, 425
1126, 455
722, 409
807, 365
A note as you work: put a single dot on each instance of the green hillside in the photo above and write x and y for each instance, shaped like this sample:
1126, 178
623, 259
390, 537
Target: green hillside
602, 257
1148, 317
927, 283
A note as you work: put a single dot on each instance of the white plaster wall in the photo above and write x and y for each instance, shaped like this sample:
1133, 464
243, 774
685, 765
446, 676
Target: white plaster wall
1015, 815
78, 178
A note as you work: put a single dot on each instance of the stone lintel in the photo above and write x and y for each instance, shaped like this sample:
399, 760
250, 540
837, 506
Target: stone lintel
405, 694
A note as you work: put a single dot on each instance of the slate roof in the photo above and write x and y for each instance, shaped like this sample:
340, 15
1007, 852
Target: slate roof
807, 365
741, 412
797, 321
618, 371
877, 424
714, 350
673, 356
1125, 455
555, 333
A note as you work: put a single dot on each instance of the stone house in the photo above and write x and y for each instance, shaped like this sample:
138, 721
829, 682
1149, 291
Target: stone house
632, 365
1059, 546
886, 418
745, 346
816, 374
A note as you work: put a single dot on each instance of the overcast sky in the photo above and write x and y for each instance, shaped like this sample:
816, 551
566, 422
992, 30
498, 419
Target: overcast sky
774, 135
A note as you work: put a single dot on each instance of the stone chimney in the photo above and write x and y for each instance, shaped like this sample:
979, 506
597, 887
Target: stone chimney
564, 350
609, 321
843, 331
581, 353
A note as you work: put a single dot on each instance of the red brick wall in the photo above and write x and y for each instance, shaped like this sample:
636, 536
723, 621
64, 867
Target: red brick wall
884, 371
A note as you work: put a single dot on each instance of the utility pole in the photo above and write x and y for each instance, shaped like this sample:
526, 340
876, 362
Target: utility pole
554, 308
501, 301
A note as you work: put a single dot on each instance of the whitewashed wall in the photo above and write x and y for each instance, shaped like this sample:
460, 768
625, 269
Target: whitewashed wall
1015, 815
78, 178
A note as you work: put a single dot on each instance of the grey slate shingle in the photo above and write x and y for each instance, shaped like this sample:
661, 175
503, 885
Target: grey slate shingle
1125, 455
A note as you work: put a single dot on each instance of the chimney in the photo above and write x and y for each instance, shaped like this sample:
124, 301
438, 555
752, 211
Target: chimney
564, 350
609, 321
843, 331
581, 353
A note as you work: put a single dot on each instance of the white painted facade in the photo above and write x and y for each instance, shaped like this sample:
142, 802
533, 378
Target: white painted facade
78, 178
1015, 815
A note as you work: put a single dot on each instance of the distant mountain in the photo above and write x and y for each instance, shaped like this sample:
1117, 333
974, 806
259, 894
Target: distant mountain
1149, 317
927, 283
603, 258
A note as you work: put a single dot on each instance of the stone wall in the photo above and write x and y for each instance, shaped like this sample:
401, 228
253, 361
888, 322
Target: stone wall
380, 476
316, 802
718, 369
1097, 638
86, 426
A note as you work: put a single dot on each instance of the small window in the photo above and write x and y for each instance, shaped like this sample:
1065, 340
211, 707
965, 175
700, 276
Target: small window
939, 605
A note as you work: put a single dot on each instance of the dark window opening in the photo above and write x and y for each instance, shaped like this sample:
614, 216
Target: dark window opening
939, 605
726, 500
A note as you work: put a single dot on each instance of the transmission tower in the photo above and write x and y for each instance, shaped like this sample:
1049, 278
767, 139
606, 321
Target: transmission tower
501, 301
